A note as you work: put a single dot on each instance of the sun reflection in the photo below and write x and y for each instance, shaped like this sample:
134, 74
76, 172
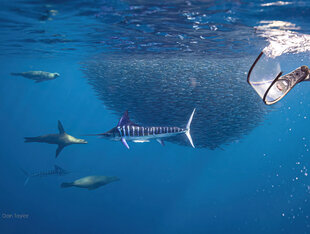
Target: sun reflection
278, 3
283, 38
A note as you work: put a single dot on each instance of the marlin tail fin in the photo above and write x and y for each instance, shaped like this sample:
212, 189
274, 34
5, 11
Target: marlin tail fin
188, 128
27, 176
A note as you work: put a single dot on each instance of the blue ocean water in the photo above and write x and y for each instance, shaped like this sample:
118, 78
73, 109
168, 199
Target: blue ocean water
249, 173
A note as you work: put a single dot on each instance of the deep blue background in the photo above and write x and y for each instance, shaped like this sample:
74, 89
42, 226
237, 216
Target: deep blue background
255, 185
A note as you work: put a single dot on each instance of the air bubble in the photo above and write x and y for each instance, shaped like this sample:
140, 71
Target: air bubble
213, 28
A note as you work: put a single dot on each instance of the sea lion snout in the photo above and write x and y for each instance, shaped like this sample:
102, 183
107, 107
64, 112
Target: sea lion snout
82, 141
56, 74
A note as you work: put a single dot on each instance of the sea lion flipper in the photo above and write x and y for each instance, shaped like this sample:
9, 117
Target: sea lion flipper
59, 149
60, 127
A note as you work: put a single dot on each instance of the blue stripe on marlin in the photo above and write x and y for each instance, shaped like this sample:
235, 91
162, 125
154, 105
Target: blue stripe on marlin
55, 171
126, 130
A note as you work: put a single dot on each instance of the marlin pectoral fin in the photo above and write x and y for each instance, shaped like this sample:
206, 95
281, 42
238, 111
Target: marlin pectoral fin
125, 142
59, 149
161, 142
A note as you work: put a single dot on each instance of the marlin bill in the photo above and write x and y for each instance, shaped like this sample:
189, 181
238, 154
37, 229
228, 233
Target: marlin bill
126, 130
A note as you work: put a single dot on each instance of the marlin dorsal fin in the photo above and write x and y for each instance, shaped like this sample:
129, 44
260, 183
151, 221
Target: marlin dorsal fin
124, 120
56, 167
60, 128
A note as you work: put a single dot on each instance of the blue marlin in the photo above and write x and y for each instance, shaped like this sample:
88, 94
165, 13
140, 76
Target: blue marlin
55, 171
129, 131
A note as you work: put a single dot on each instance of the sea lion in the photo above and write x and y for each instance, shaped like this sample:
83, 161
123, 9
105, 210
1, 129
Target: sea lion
62, 139
91, 182
37, 76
